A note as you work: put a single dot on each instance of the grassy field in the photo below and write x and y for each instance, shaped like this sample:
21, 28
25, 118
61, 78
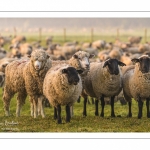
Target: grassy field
91, 123
78, 123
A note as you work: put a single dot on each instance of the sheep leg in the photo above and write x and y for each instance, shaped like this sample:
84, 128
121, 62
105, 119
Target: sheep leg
102, 105
79, 99
35, 103
84, 106
6, 100
20, 102
147, 106
130, 111
55, 113
92, 100
129, 100
71, 111
67, 113
140, 105
112, 106
59, 121
41, 106
96, 107
32, 109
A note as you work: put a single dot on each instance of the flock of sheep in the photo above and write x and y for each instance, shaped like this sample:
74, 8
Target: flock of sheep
61, 74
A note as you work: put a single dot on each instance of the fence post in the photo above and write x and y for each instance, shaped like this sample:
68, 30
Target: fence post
92, 33
40, 34
64, 34
145, 35
117, 34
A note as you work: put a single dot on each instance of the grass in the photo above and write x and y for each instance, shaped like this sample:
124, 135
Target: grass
78, 123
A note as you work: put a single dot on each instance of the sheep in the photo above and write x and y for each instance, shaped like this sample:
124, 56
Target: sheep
4, 62
98, 44
18, 39
136, 84
62, 86
34, 74
80, 61
26, 76
3, 53
2, 79
103, 80
135, 39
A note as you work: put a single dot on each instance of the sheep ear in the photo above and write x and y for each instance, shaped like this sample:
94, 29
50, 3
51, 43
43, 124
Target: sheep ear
4, 65
48, 56
80, 71
11, 47
64, 71
29, 56
91, 56
135, 60
105, 64
121, 63
75, 56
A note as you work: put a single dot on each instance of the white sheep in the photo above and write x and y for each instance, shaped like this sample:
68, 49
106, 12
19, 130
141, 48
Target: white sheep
136, 84
25, 76
103, 80
62, 86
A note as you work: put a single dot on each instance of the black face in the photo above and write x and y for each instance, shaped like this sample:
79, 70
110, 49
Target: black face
144, 64
112, 65
72, 75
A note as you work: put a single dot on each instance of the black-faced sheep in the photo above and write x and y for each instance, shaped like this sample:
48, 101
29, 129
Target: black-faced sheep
62, 86
136, 84
103, 80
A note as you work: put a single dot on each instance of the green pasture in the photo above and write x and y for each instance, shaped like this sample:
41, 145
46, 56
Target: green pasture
91, 123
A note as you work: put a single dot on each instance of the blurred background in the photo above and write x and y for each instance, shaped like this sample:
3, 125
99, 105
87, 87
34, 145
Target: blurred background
87, 29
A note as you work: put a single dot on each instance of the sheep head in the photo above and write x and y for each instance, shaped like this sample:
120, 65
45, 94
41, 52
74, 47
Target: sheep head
112, 66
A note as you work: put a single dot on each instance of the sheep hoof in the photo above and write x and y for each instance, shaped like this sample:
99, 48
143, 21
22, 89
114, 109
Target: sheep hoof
84, 114
67, 121
148, 115
129, 115
96, 113
59, 121
55, 117
139, 116
102, 115
113, 115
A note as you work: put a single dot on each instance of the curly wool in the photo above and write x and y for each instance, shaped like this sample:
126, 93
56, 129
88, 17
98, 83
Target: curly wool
34, 78
99, 81
57, 89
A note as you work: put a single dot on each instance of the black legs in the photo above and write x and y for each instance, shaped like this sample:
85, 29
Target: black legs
102, 106
147, 106
140, 105
59, 121
96, 107
55, 113
67, 113
84, 106
130, 111
112, 106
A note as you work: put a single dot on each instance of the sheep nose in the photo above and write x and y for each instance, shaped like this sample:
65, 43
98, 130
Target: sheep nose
87, 65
